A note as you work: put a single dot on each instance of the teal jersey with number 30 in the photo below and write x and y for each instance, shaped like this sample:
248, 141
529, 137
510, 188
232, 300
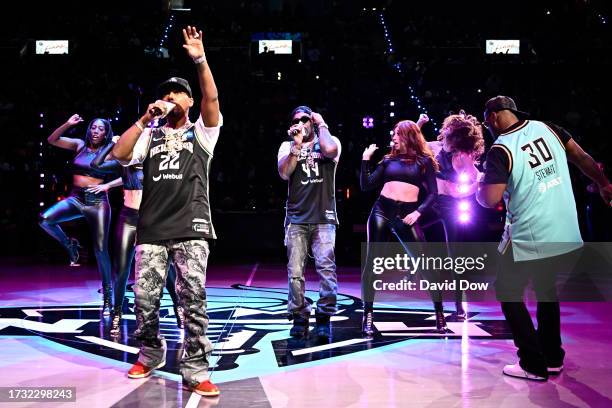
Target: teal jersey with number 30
541, 218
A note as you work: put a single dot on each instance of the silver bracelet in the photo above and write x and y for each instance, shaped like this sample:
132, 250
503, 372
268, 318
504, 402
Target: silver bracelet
139, 125
200, 60
323, 125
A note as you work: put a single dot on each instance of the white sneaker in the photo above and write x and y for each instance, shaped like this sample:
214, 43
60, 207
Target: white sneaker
515, 370
555, 370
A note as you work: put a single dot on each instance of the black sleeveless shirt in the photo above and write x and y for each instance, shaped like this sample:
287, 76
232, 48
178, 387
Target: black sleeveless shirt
311, 191
175, 201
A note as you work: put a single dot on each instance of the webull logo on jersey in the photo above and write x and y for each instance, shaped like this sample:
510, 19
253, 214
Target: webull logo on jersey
543, 187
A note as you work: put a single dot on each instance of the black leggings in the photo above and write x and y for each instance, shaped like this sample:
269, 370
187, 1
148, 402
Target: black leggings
96, 211
448, 211
387, 213
125, 239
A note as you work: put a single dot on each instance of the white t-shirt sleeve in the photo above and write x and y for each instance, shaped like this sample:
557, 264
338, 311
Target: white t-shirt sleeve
208, 136
335, 139
141, 149
284, 150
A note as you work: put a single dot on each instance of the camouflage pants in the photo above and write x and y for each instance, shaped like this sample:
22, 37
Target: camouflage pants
190, 260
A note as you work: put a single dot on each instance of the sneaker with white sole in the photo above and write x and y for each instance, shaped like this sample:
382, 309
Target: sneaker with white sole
204, 388
515, 370
140, 370
555, 370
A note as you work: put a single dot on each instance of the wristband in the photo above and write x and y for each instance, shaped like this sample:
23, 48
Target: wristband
323, 125
139, 125
199, 60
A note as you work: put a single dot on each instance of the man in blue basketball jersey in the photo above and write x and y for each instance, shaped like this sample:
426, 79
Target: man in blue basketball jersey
527, 167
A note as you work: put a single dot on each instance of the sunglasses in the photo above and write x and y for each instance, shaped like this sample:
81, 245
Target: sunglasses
303, 119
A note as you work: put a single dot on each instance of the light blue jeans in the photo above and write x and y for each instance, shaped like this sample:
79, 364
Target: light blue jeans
321, 238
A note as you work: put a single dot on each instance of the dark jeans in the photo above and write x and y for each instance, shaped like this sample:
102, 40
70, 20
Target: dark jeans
537, 348
321, 238
96, 211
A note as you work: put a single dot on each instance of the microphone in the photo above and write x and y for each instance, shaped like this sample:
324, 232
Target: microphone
295, 132
160, 113
155, 111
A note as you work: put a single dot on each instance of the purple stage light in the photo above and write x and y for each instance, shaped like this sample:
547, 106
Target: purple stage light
464, 218
464, 205
464, 178
463, 188
368, 122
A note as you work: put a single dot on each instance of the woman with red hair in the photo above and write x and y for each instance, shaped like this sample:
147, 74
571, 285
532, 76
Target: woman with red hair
409, 167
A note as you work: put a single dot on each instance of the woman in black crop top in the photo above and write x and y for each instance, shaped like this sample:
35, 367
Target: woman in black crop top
88, 198
460, 144
125, 238
409, 167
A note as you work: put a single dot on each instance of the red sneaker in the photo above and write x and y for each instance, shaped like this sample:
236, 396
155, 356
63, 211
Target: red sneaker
140, 370
205, 388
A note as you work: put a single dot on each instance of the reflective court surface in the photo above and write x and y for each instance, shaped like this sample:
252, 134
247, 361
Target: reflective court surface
52, 334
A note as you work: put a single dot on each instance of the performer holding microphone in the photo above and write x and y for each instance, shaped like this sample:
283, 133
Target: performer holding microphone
175, 216
308, 162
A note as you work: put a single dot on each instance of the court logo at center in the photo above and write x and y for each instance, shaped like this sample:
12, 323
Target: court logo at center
248, 327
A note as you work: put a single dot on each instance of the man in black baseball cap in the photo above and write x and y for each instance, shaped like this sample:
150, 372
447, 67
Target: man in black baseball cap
175, 223
501, 103
174, 84
527, 168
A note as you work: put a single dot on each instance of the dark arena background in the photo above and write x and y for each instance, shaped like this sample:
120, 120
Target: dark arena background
364, 66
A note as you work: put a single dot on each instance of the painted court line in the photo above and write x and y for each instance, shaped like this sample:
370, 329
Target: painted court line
328, 346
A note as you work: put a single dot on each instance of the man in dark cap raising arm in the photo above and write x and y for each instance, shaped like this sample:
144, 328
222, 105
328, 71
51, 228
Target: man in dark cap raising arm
175, 217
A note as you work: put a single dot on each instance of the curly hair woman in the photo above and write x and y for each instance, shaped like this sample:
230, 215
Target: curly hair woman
460, 144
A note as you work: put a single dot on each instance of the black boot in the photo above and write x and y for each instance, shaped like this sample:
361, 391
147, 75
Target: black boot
440, 320
367, 322
323, 327
179, 313
116, 323
107, 302
461, 313
73, 251
300, 326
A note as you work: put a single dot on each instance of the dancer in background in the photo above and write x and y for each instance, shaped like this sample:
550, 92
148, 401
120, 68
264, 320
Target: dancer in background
459, 146
88, 198
125, 238
409, 167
